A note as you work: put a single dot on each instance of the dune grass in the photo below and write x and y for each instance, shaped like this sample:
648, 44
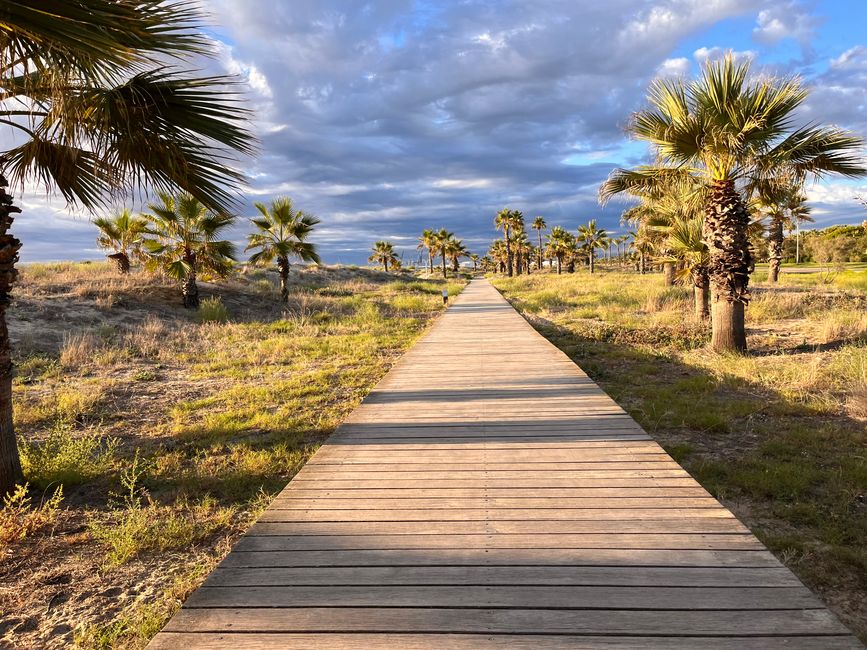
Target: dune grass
169, 430
779, 435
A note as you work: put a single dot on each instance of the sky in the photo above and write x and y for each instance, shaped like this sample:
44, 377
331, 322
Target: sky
385, 118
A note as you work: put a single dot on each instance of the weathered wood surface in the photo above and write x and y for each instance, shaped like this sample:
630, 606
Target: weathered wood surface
487, 494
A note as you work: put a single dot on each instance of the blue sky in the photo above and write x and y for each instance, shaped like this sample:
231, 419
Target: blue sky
385, 118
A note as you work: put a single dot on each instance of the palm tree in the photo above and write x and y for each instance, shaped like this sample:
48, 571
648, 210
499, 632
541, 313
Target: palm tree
121, 234
728, 130
499, 254
474, 258
592, 238
281, 235
456, 250
560, 244
185, 242
427, 241
508, 220
777, 202
383, 255
98, 114
442, 241
685, 241
539, 225
520, 244
643, 244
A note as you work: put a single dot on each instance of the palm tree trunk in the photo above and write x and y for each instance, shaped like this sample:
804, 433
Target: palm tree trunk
668, 273
797, 242
430, 258
701, 292
540, 250
642, 263
121, 261
775, 250
509, 271
191, 291
10, 463
730, 264
283, 267
559, 265
592, 261
519, 265
444, 264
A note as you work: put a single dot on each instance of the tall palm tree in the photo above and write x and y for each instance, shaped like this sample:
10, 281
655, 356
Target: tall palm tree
508, 220
427, 242
592, 238
520, 244
539, 225
184, 242
499, 254
383, 254
731, 131
561, 243
442, 241
122, 234
97, 113
282, 235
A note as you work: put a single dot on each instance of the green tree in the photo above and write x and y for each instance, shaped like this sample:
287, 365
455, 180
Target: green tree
383, 255
561, 244
122, 234
684, 238
185, 242
456, 250
97, 113
427, 241
728, 129
509, 220
281, 235
592, 237
442, 242
539, 225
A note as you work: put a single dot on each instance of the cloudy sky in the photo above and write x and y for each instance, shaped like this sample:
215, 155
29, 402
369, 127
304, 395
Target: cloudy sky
387, 117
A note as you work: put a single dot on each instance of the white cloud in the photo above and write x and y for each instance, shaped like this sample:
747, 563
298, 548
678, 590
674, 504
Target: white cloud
703, 54
679, 67
785, 20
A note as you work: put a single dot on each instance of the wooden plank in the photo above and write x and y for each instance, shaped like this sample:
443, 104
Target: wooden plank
509, 557
499, 575
641, 622
298, 542
301, 514
315, 491
484, 641
541, 504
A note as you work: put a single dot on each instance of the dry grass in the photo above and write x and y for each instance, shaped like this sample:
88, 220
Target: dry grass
170, 430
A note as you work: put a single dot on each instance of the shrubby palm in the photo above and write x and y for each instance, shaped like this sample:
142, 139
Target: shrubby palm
122, 234
730, 132
185, 242
783, 204
685, 241
97, 113
561, 244
442, 242
508, 221
282, 235
456, 249
383, 254
592, 237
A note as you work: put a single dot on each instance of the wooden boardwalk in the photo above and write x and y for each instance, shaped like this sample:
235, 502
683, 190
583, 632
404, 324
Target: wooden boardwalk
487, 494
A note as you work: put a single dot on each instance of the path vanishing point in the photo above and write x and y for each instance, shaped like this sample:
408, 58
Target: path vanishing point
487, 494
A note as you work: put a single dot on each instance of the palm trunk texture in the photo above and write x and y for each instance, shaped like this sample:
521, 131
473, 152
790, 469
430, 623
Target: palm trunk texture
775, 250
730, 264
10, 463
283, 267
668, 273
121, 261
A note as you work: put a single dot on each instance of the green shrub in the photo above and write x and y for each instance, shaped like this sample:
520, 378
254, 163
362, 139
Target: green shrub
212, 310
19, 518
66, 459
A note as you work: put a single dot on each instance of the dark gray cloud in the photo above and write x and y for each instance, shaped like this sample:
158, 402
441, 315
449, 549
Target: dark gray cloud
388, 117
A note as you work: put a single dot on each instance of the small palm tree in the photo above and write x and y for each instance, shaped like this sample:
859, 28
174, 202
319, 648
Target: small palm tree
561, 244
499, 254
728, 131
383, 255
186, 242
427, 242
474, 258
685, 241
121, 234
592, 237
539, 225
442, 242
456, 250
520, 245
282, 235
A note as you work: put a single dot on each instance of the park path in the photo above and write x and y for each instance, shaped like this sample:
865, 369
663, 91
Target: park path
487, 494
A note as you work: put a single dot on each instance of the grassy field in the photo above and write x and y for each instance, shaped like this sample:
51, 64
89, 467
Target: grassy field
779, 436
153, 436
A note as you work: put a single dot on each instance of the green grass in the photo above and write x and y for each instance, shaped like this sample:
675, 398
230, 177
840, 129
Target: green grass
780, 435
